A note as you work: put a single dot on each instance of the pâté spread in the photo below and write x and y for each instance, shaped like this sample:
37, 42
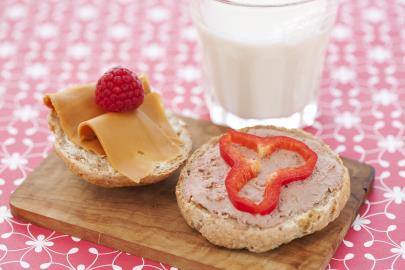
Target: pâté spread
207, 187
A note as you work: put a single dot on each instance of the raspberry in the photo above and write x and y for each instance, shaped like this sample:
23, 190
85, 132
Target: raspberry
119, 90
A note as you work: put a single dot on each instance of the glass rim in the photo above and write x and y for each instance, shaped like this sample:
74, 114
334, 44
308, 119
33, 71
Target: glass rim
244, 3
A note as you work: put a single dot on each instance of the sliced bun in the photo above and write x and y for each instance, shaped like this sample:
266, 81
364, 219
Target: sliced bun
97, 170
226, 231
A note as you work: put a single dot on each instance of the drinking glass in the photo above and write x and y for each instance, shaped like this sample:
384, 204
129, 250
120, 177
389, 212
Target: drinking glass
263, 59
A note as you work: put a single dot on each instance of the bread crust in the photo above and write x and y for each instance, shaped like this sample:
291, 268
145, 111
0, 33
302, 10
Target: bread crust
224, 231
96, 170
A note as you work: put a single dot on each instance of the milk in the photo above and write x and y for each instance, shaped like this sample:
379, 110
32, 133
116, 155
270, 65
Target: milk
263, 63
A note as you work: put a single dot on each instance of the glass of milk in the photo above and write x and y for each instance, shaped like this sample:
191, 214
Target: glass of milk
263, 59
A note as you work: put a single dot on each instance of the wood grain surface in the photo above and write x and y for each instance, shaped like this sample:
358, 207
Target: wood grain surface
145, 221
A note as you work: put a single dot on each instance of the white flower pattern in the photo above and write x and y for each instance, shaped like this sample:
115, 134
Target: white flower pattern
4, 213
385, 97
396, 194
347, 120
25, 113
39, 243
359, 222
14, 161
391, 143
400, 250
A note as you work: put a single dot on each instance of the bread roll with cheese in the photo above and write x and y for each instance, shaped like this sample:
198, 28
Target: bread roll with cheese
116, 149
304, 206
98, 171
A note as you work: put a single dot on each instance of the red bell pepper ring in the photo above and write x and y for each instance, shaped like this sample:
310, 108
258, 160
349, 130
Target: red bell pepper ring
244, 169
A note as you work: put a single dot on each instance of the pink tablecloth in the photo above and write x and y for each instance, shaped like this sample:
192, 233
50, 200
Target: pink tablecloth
45, 45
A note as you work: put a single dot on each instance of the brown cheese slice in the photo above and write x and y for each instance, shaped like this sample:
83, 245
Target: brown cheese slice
134, 142
153, 107
73, 106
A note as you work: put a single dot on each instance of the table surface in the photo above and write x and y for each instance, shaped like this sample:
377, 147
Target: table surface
46, 45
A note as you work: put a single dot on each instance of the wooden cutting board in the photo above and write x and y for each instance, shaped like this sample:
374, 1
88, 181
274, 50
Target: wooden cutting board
145, 221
